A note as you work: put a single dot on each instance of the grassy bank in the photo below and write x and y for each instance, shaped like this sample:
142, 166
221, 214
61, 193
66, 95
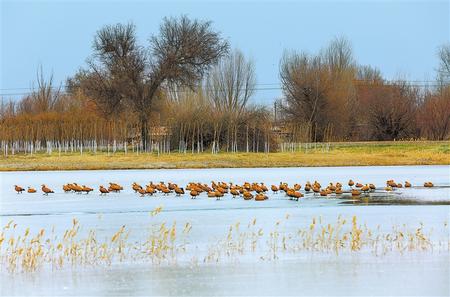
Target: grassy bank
336, 154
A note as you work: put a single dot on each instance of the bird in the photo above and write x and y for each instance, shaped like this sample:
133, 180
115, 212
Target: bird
359, 185
165, 190
365, 188
141, 191
355, 192
407, 184
67, 188
274, 189
297, 195
136, 187
218, 194
179, 191
351, 183
149, 189
260, 197
86, 189
307, 187
18, 189
428, 184
46, 190
103, 190
234, 192
338, 191
113, 187
31, 190
194, 194
247, 195
76, 188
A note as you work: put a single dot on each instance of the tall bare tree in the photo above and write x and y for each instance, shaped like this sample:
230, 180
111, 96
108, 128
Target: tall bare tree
305, 83
444, 65
231, 83
122, 73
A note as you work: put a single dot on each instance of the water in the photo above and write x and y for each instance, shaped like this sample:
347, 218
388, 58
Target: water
303, 273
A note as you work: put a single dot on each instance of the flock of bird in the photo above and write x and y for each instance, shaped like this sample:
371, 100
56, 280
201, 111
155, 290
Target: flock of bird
247, 191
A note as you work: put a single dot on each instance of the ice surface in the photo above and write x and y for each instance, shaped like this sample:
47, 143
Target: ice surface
421, 273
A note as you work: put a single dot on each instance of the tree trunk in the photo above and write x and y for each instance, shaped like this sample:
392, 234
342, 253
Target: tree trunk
144, 134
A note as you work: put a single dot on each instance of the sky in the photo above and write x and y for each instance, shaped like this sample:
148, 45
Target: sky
398, 37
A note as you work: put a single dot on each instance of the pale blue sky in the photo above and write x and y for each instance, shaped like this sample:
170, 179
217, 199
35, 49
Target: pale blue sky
399, 37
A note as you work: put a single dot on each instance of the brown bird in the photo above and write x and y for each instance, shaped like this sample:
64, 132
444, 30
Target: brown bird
260, 197
113, 187
307, 187
247, 195
365, 188
218, 195
338, 191
136, 187
67, 188
179, 191
46, 190
86, 189
31, 190
150, 190
359, 185
166, 190
351, 183
142, 192
76, 188
234, 192
18, 189
297, 195
428, 184
355, 192
194, 194
274, 189
103, 191
407, 184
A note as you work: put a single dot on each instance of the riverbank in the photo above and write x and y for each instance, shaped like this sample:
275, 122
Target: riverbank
335, 154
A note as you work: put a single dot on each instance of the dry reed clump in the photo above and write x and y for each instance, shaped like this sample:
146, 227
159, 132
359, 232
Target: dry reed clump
163, 244
336, 238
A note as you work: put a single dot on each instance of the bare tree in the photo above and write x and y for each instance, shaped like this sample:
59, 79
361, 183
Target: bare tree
124, 73
444, 65
231, 83
305, 83
368, 74
391, 110
45, 95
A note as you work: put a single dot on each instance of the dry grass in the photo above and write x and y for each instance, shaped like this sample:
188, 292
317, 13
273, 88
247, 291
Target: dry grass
338, 154
164, 244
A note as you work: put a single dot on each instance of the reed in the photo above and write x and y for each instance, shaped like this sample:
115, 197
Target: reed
165, 243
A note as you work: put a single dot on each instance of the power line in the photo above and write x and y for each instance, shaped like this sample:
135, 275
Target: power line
276, 87
259, 84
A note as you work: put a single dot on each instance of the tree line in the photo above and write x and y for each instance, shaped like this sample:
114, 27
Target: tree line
185, 90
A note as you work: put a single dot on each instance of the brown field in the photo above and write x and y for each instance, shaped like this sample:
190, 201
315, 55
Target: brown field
336, 154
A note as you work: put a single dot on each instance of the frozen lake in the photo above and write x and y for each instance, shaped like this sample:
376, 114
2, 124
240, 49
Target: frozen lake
209, 260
